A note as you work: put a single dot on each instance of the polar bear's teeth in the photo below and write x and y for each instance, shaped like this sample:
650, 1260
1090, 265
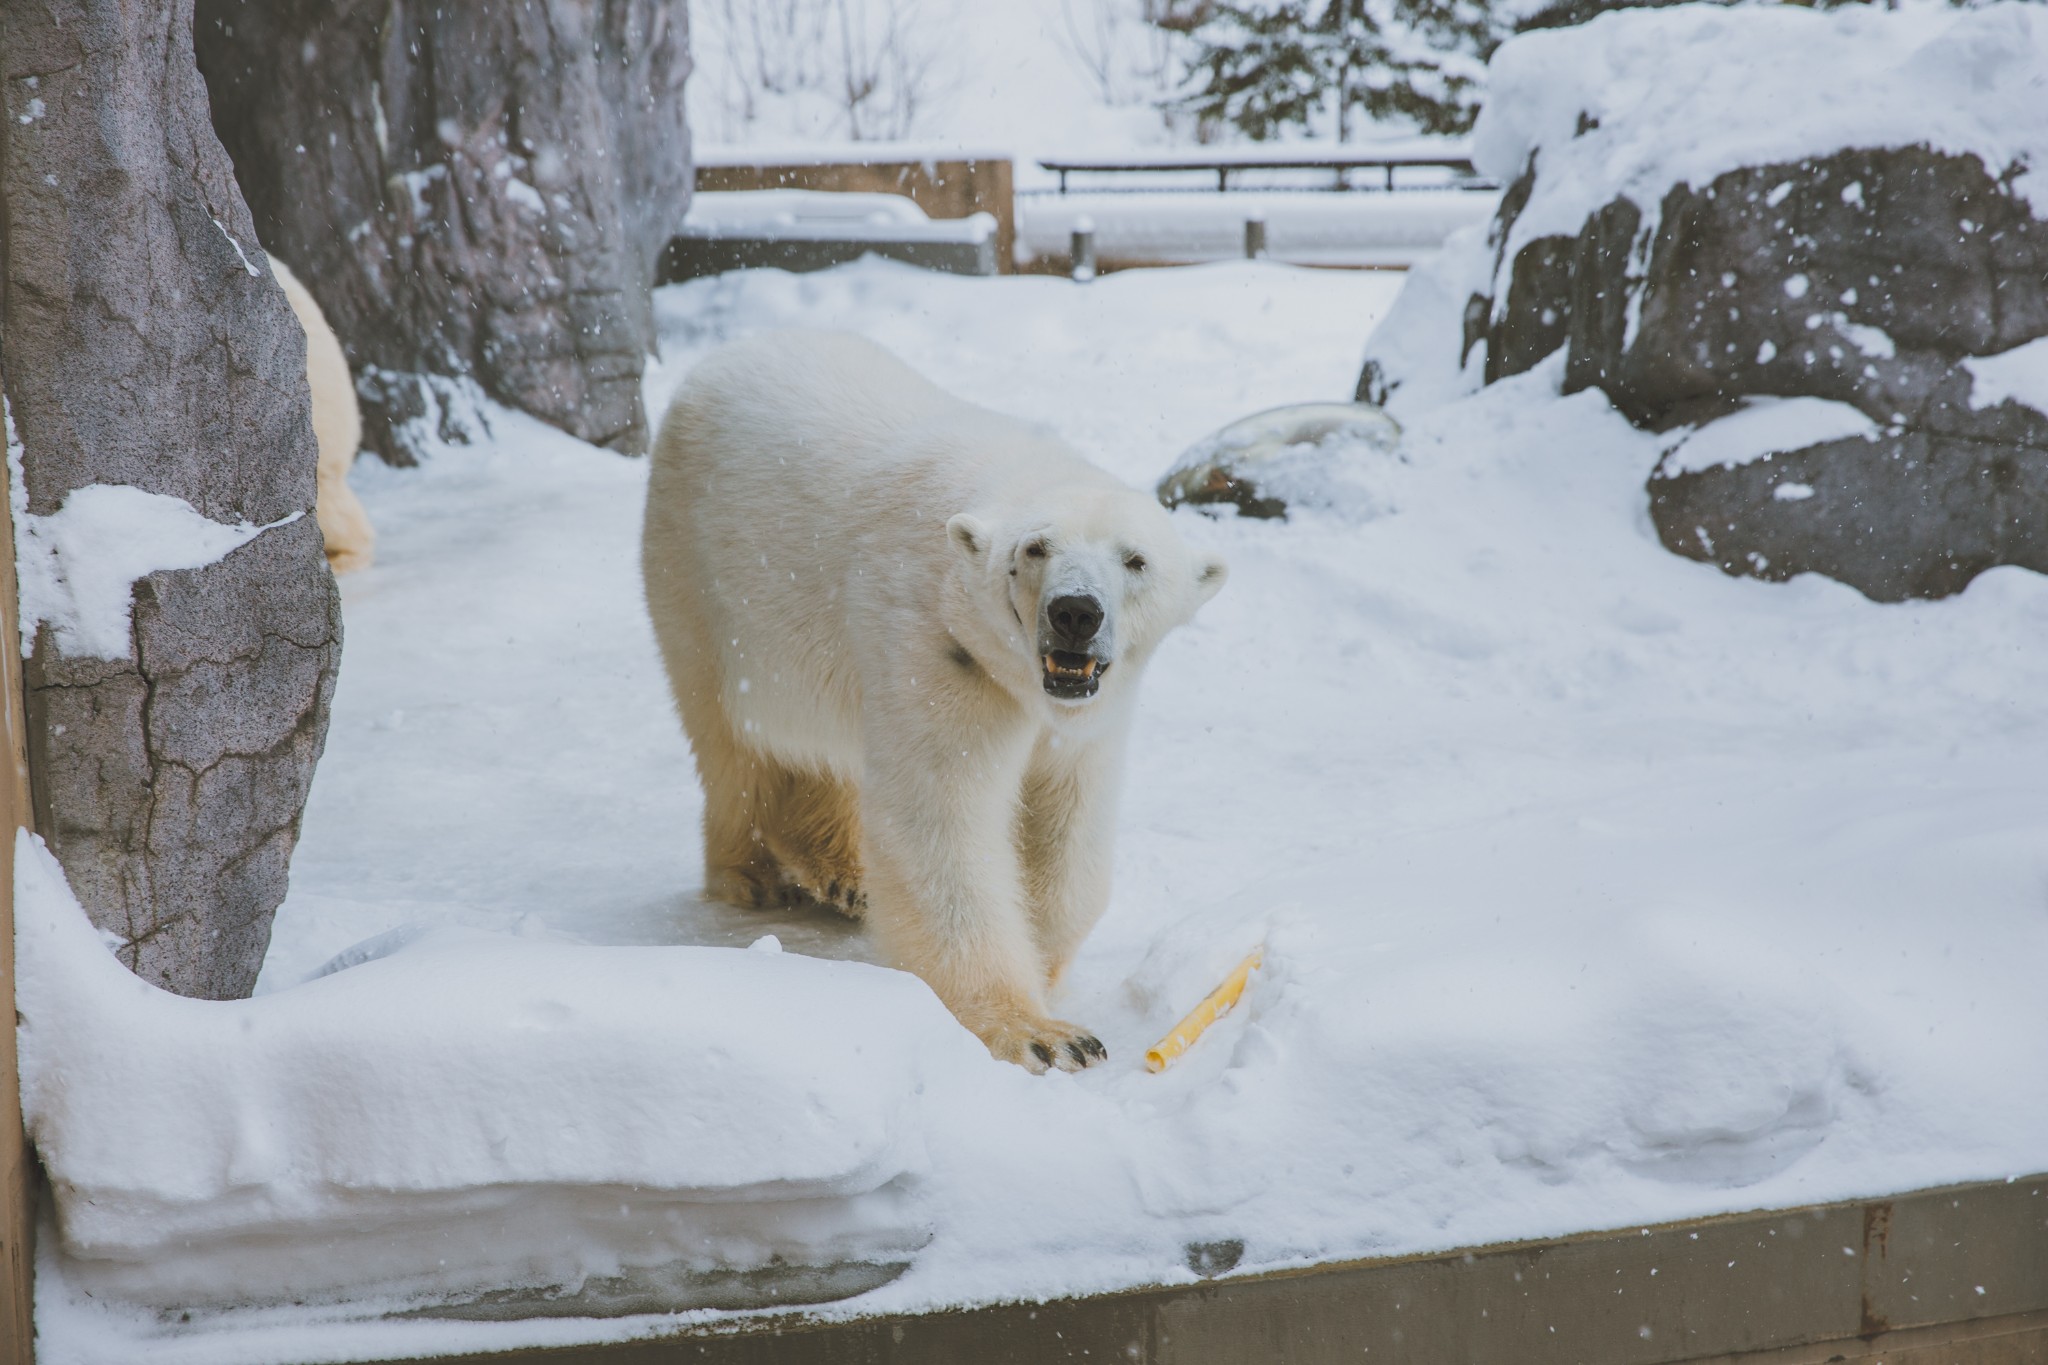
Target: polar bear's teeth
1088, 669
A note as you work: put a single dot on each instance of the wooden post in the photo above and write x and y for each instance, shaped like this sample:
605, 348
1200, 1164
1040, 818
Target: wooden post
17, 1161
1083, 256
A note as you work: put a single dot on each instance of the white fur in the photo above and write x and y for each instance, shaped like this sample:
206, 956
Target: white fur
839, 564
337, 427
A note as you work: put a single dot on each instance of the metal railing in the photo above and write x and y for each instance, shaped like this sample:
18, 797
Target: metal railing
1224, 164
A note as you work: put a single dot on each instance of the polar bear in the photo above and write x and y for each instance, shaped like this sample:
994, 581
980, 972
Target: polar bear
337, 428
905, 635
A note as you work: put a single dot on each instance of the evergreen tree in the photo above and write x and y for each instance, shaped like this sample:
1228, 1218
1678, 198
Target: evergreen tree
1262, 66
1265, 66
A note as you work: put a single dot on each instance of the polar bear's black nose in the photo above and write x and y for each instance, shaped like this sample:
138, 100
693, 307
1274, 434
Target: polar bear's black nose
1076, 619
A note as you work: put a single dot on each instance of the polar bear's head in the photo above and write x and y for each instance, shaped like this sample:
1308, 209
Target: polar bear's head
1081, 591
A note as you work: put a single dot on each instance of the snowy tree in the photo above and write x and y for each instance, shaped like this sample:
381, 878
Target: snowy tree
863, 70
1263, 66
1128, 49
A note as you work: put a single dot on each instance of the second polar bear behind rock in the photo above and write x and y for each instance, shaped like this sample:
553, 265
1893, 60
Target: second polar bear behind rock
905, 635
337, 429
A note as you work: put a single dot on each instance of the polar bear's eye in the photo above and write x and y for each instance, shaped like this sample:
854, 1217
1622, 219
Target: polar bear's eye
1035, 550
1135, 563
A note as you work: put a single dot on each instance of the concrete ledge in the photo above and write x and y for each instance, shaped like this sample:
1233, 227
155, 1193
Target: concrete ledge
2017, 1340
1955, 1276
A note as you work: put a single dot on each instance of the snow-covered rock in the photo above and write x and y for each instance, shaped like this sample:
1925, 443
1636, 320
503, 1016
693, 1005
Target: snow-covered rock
477, 1119
1712, 204
1321, 455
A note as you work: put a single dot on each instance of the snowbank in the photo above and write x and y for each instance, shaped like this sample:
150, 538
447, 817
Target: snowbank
473, 1113
1419, 358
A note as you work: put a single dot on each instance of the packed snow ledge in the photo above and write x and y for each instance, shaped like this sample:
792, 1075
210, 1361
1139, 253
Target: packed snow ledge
1596, 888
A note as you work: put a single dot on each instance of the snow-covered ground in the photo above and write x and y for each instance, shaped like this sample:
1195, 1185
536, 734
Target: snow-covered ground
1032, 79
1596, 888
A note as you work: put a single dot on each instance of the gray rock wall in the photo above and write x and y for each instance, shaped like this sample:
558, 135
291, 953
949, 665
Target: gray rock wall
138, 348
472, 191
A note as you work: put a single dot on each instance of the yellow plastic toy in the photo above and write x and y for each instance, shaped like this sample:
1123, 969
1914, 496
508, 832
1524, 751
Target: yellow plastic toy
1201, 1016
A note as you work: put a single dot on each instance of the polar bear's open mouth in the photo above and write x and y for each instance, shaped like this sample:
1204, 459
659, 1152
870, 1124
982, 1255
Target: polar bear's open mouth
1071, 676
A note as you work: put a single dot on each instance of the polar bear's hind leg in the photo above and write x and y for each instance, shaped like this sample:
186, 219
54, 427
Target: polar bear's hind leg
739, 866
738, 780
774, 834
811, 823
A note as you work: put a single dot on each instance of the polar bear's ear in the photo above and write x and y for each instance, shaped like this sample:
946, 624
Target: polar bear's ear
969, 534
1209, 577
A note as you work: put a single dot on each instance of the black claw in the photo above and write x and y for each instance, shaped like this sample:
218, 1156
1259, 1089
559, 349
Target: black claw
1095, 1047
832, 891
1074, 1051
1042, 1052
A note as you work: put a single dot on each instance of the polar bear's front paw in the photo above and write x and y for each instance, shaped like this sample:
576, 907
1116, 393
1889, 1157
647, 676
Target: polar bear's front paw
1041, 1045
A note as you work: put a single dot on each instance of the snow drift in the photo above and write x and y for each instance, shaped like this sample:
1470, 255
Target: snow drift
476, 1114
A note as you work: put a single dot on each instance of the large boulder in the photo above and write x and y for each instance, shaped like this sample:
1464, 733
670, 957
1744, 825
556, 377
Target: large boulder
1689, 274
1865, 276
1870, 277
